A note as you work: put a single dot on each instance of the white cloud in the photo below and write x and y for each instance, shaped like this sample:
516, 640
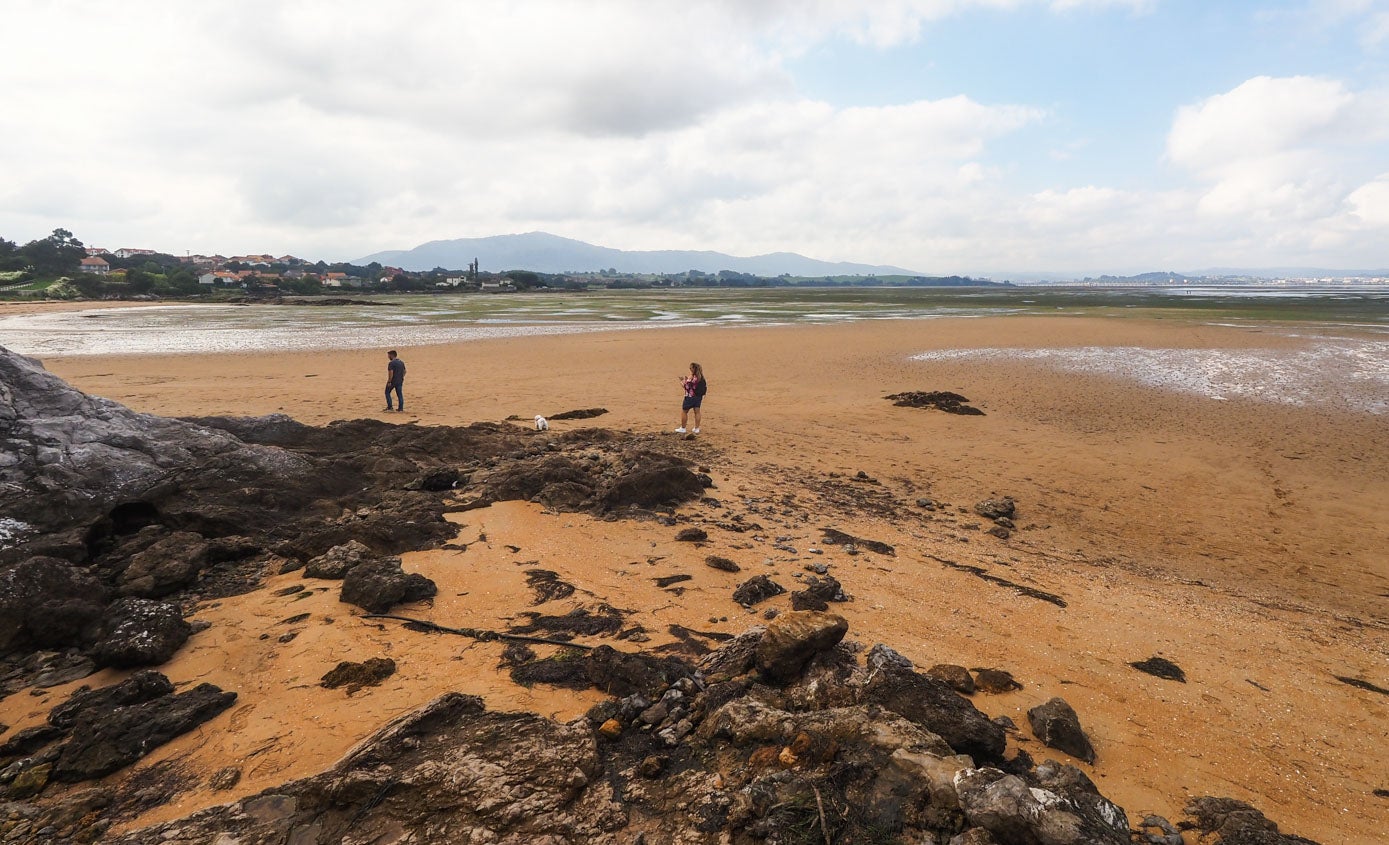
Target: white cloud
337, 129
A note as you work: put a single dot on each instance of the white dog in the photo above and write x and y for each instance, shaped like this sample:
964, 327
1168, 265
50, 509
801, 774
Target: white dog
541, 424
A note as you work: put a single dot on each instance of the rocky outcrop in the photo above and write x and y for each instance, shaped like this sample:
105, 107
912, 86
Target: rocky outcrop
1055, 723
96, 732
379, 585
67, 458
691, 754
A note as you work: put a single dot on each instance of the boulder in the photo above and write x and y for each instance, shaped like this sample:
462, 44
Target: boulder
623, 673
759, 588
999, 508
104, 741
1016, 814
379, 585
139, 632
793, 639
47, 602
335, 563
1055, 723
652, 487
931, 703
72, 458
165, 567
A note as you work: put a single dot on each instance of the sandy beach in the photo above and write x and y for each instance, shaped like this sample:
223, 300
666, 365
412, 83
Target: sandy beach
1242, 539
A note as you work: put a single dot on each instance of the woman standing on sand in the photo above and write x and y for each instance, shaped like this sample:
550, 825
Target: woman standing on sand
695, 386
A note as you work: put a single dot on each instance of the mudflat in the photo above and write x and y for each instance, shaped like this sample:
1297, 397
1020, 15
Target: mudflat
1242, 539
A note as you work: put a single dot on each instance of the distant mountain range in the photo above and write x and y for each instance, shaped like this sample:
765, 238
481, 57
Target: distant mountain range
546, 253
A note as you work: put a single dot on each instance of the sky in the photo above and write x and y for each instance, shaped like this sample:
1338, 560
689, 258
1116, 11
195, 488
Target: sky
985, 137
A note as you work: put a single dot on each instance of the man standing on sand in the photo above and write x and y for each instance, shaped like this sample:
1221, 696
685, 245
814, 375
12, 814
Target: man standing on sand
395, 379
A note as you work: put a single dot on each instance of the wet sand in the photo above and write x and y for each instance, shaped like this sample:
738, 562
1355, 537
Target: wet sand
1241, 539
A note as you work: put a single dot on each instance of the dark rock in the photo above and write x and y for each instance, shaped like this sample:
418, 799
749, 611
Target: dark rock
104, 741
1160, 667
335, 563
165, 567
143, 686
957, 677
759, 588
139, 632
817, 592
567, 668
621, 673
47, 602
379, 585
354, 676
55, 669
439, 480
649, 488
547, 586
692, 535
1013, 812
26, 742
932, 704
73, 459
1237, 823
996, 508
994, 681
1056, 725
941, 400
30, 781
793, 639
836, 537
722, 563
580, 414
666, 580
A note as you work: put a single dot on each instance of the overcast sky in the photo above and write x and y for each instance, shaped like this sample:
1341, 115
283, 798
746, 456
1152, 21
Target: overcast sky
971, 136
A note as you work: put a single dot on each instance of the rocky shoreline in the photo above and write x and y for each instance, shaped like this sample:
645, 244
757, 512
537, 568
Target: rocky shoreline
120, 523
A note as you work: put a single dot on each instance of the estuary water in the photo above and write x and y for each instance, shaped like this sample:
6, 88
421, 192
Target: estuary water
1343, 356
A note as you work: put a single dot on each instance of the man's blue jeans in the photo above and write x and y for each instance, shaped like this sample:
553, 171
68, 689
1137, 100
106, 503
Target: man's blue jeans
399, 399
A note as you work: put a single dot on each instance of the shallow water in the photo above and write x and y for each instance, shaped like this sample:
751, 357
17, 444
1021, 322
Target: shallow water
1352, 372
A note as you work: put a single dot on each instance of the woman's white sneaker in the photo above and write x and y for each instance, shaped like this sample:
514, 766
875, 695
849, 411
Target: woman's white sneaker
680, 430
696, 431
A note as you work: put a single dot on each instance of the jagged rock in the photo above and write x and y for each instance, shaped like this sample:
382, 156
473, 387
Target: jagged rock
139, 632
999, 508
1015, 813
379, 585
1055, 723
1160, 667
225, 778
817, 593
104, 741
941, 400
692, 535
47, 602
26, 742
73, 458
528, 479
722, 564
1237, 823
932, 704
164, 567
757, 589
623, 673
648, 488
503, 778
957, 677
354, 676
792, 639
335, 563
146, 685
